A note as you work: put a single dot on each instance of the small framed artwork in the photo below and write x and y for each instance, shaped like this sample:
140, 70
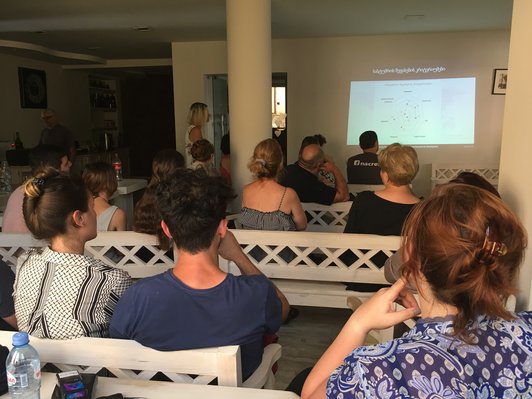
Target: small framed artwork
32, 86
500, 80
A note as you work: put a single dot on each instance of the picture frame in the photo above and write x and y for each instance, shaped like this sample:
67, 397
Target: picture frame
500, 81
32, 87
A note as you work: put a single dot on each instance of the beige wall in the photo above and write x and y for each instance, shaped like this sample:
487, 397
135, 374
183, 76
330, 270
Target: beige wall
67, 94
319, 72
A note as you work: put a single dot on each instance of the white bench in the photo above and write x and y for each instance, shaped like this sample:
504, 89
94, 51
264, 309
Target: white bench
121, 357
327, 218
443, 172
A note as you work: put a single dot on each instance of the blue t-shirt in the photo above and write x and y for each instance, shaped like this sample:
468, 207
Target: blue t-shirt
163, 313
428, 363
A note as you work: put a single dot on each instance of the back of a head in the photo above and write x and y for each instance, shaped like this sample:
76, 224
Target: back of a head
468, 245
475, 180
368, 139
46, 155
266, 160
98, 177
315, 139
192, 204
400, 163
49, 199
311, 156
197, 114
202, 150
166, 162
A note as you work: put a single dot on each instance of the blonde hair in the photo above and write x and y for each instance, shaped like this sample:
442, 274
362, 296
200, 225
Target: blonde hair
198, 114
400, 163
266, 160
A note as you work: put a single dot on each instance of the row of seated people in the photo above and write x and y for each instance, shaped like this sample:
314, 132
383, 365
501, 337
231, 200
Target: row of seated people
463, 250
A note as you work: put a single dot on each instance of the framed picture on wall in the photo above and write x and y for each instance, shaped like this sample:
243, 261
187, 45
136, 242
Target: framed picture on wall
500, 80
32, 86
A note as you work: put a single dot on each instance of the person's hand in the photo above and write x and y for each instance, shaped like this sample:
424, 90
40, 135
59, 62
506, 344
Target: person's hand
379, 311
328, 166
229, 247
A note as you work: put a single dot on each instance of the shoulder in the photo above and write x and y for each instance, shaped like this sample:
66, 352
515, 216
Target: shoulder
255, 283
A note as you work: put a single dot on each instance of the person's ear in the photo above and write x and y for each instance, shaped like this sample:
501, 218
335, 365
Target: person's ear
166, 230
78, 219
222, 228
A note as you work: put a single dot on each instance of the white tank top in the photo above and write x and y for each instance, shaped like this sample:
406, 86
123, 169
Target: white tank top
102, 222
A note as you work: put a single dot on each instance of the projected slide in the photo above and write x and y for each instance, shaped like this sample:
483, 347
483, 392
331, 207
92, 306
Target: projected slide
415, 112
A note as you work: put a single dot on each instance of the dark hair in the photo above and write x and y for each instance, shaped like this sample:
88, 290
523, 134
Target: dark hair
192, 204
225, 146
266, 160
46, 155
468, 245
367, 139
49, 198
202, 150
98, 177
146, 217
475, 180
315, 139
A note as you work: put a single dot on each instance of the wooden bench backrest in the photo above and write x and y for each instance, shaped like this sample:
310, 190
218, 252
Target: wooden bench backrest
326, 218
443, 172
317, 256
121, 357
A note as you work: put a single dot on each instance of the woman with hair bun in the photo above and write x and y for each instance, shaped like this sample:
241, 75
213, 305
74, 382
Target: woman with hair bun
60, 293
463, 249
266, 205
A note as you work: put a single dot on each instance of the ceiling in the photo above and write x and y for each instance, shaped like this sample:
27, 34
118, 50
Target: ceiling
96, 31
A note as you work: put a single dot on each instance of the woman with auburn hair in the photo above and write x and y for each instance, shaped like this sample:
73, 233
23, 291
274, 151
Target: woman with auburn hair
384, 211
146, 216
463, 250
198, 116
266, 205
59, 292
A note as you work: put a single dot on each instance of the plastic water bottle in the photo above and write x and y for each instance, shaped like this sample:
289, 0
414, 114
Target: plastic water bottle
23, 369
117, 165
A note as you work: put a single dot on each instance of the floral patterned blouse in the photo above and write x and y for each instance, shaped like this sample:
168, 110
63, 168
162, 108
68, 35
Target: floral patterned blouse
428, 363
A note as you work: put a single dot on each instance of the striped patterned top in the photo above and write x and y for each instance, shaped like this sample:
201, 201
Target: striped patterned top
61, 296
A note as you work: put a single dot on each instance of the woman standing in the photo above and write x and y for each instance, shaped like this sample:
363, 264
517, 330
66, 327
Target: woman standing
198, 116
60, 293
266, 205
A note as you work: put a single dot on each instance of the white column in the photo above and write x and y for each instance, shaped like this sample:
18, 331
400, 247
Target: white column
249, 80
516, 162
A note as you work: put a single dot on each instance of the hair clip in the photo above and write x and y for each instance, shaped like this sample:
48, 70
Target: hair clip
491, 249
261, 161
38, 182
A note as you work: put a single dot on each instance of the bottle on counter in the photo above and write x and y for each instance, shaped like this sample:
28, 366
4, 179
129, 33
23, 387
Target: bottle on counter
23, 369
18, 142
5, 177
117, 165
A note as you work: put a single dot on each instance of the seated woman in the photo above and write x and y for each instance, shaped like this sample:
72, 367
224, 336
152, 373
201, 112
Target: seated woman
202, 152
383, 212
146, 217
100, 180
464, 247
59, 293
266, 205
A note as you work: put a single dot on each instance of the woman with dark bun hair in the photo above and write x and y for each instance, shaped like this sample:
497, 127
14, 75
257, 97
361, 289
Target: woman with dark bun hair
266, 205
146, 217
60, 293
463, 249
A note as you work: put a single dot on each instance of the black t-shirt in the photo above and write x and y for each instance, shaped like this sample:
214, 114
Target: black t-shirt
306, 185
364, 169
371, 214
7, 279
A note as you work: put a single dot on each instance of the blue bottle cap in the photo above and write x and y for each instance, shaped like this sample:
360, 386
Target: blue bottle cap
20, 338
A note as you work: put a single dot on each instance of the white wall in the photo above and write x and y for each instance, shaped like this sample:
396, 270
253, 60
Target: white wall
67, 93
319, 72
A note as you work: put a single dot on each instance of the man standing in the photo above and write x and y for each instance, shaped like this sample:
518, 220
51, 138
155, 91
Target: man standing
302, 176
196, 304
364, 168
57, 134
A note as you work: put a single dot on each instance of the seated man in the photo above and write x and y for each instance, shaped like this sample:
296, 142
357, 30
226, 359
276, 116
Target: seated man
302, 176
364, 168
196, 304
40, 156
